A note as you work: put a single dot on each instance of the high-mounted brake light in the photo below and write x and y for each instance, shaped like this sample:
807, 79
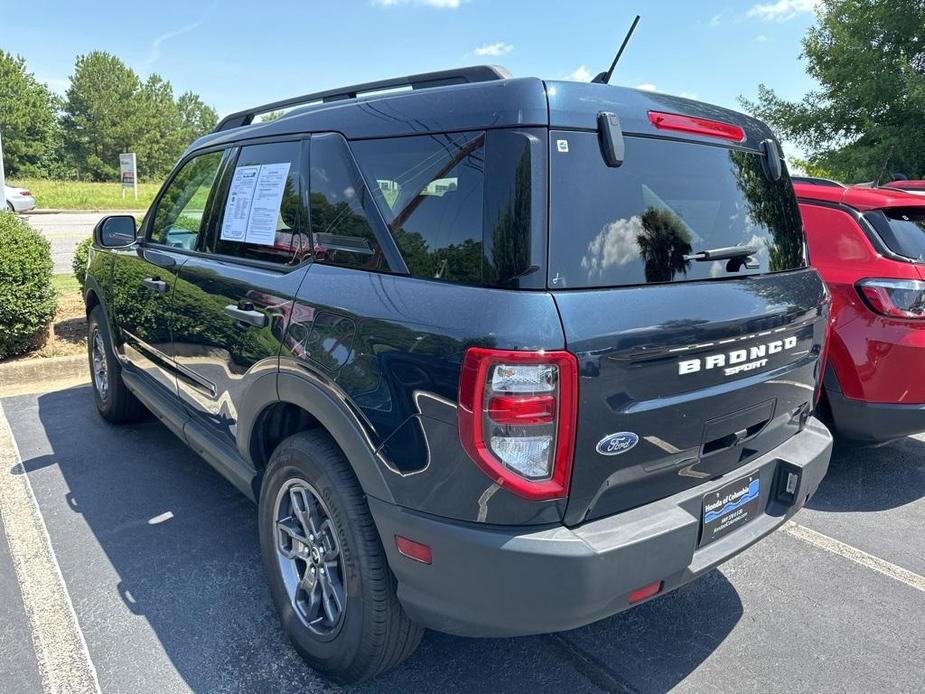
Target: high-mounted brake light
517, 415
696, 126
894, 298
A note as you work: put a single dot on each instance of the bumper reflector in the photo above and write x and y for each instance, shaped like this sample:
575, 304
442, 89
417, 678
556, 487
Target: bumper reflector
648, 591
413, 550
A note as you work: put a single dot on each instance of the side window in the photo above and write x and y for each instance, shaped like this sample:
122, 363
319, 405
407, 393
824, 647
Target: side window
179, 216
260, 213
430, 190
341, 228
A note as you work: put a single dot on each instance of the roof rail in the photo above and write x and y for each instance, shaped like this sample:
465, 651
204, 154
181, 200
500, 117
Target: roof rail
425, 80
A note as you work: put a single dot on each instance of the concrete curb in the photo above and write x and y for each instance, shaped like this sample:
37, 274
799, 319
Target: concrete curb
42, 374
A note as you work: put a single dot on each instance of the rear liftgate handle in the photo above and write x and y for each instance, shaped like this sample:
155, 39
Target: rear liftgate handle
245, 314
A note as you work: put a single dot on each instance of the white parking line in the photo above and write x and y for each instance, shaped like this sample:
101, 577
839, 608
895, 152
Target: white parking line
856, 555
60, 649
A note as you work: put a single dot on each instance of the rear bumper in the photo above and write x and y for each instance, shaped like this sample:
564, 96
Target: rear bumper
500, 581
869, 422
21, 204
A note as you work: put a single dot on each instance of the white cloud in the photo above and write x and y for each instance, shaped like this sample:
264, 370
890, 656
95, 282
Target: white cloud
647, 87
582, 74
154, 53
761, 38
615, 245
443, 4
688, 95
782, 10
717, 19
494, 49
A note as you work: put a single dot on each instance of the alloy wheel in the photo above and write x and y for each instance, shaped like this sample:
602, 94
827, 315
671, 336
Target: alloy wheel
309, 558
100, 368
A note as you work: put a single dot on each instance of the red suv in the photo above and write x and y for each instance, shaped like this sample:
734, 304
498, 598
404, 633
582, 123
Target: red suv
917, 187
869, 246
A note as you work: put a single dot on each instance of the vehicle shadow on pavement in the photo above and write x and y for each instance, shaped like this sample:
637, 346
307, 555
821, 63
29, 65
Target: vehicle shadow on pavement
872, 478
183, 547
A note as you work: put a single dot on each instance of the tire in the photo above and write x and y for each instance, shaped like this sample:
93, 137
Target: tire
114, 401
10, 207
371, 632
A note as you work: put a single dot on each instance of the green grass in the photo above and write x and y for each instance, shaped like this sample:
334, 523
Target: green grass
65, 283
81, 195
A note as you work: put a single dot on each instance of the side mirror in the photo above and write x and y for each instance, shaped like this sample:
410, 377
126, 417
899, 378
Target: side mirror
115, 231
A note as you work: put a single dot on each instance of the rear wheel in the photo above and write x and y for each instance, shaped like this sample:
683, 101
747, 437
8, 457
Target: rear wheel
114, 401
327, 571
10, 207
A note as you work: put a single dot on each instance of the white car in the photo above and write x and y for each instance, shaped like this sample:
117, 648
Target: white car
18, 199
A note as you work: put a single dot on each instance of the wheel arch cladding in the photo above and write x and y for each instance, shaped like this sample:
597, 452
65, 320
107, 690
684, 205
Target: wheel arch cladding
291, 404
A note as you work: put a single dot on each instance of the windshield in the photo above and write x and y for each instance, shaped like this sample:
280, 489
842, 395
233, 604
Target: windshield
902, 230
647, 220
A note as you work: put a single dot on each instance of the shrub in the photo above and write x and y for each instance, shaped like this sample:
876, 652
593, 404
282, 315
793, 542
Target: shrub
79, 263
27, 298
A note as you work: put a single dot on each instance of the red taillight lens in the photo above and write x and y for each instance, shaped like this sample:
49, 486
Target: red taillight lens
25, 193
895, 298
517, 414
696, 126
531, 409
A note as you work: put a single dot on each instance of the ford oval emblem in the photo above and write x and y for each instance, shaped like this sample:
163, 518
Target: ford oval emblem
615, 444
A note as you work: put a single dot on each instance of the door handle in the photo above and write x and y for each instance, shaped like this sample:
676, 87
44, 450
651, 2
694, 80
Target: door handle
155, 284
249, 316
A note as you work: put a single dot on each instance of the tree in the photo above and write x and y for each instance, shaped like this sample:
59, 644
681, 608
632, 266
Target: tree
100, 119
27, 120
109, 110
158, 140
866, 118
196, 119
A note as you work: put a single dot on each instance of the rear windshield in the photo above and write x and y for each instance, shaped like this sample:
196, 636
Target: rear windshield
903, 231
642, 222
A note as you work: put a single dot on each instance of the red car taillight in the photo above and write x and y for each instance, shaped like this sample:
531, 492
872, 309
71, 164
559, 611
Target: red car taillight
517, 415
894, 298
696, 126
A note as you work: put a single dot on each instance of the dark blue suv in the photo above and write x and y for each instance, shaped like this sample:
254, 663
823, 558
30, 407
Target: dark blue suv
494, 356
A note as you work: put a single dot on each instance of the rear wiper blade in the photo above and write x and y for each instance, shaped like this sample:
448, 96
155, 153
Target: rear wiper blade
728, 253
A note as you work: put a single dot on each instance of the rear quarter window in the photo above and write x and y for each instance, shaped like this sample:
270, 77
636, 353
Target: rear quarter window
641, 222
902, 230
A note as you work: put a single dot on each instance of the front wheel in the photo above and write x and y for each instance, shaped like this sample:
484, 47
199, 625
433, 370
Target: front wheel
325, 564
114, 401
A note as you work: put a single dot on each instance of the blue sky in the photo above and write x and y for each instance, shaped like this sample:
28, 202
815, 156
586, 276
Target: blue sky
235, 54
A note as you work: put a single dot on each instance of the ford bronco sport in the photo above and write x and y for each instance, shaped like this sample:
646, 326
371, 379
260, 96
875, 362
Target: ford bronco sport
494, 356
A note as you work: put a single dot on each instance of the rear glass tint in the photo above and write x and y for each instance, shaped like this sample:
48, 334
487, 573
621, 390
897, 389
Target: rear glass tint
902, 230
641, 222
431, 190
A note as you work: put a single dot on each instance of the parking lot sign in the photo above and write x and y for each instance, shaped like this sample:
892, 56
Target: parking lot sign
128, 173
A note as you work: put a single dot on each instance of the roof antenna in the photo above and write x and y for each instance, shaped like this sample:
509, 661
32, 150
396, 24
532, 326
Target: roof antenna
604, 77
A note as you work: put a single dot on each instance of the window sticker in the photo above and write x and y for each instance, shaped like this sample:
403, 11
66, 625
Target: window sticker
254, 199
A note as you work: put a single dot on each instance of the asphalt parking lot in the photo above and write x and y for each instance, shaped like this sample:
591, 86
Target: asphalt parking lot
159, 558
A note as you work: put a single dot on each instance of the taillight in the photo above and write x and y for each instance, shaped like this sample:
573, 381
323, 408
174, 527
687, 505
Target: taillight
894, 298
25, 193
696, 126
517, 414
